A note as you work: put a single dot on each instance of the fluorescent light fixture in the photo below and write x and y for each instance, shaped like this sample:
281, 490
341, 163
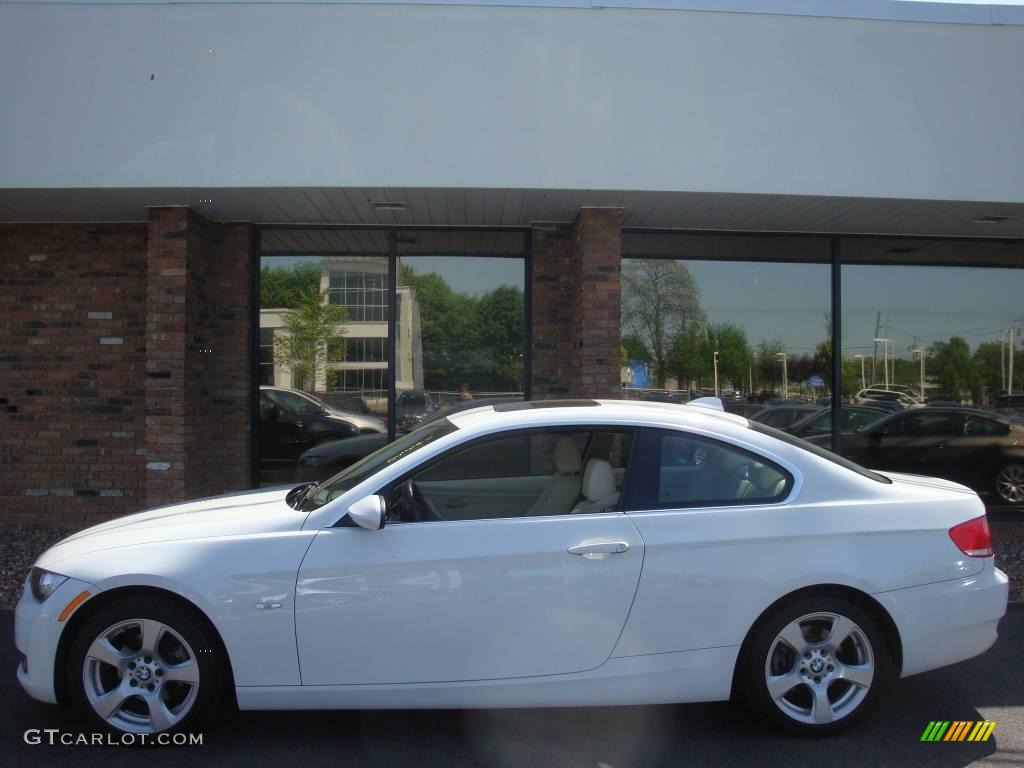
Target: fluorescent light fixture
388, 205
991, 219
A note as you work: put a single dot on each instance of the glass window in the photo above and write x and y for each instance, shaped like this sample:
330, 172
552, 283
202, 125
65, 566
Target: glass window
927, 424
525, 474
707, 315
979, 426
678, 470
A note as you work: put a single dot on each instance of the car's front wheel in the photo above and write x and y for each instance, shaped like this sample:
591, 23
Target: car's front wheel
145, 665
816, 665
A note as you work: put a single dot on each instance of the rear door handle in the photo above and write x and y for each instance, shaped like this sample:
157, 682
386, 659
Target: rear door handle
598, 549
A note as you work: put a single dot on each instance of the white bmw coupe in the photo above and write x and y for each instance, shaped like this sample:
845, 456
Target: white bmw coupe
538, 554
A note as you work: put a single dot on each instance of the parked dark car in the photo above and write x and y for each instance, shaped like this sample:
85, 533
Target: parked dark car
661, 396
1010, 403
412, 407
983, 450
291, 425
329, 458
853, 418
784, 416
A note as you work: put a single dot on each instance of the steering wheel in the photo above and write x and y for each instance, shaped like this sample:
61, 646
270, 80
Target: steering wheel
418, 508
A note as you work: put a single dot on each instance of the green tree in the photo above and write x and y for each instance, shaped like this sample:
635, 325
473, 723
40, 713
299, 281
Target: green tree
734, 353
767, 367
953, 367
284, 287
989, 362
635, 349
660, 300
308, 332
499, 320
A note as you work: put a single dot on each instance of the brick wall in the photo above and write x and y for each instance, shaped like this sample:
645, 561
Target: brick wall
72, 357
575, 307
122, 346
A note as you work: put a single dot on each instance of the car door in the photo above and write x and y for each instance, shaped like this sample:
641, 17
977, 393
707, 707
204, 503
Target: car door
975, 455
916, 443
279, 435
480, 597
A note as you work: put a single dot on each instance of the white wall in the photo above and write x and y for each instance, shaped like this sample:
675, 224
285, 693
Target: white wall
507, 97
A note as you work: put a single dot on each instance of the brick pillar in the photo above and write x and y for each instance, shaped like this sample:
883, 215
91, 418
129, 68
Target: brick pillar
197, 356
576, 296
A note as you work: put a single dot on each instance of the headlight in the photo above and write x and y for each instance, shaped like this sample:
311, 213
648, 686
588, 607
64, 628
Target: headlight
44, 583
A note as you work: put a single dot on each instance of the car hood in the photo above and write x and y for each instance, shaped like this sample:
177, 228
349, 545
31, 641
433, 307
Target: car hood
250, 513
361, 420
923, 480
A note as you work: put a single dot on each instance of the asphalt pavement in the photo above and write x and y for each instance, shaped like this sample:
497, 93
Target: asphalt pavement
990, 687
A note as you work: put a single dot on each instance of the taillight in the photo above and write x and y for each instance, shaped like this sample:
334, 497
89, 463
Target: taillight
973, 537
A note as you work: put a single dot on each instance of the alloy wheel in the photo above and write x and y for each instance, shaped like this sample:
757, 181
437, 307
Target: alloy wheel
141, 676
819, 668
1010, 484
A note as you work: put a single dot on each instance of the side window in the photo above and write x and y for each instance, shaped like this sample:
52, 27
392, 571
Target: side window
855, 419
931, 424
978, 426
679, 470
821, 425
528, 473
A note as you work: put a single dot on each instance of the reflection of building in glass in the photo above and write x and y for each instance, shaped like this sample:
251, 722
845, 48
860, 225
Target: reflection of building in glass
357, 360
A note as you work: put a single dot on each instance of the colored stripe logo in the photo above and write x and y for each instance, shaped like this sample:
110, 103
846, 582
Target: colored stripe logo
958, 730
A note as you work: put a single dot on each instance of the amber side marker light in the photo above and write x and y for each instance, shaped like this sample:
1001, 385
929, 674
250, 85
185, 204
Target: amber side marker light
80, 598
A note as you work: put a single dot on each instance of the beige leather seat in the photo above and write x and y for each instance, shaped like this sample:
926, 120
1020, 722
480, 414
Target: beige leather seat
761, 482
598, 488
563, 487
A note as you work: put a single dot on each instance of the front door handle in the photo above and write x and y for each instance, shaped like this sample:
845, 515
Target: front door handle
598, 549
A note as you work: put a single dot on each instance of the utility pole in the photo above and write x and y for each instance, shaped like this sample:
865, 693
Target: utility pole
885, 357
920, 351
716, 373
1009, 382
1002, 359
750, 380
785, 374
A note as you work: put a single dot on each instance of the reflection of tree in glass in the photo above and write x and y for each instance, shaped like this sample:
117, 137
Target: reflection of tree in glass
282, 287
468, 339
302, 344
953, 367
660, 304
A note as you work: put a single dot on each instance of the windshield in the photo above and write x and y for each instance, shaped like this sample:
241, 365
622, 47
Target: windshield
817, 450
351, 476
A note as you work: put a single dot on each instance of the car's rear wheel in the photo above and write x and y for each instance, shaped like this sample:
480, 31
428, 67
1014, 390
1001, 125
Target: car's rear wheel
146, 666
1010, 484
816, 665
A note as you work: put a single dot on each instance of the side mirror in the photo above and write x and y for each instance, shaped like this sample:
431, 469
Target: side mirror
368, 513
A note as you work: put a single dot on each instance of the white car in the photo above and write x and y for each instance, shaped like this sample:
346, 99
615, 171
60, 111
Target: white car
525, 555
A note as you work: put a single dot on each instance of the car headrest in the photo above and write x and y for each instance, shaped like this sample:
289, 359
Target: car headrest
567, 456
760, 475
598, 480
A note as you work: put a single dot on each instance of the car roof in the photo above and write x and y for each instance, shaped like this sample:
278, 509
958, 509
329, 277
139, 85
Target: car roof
553, 412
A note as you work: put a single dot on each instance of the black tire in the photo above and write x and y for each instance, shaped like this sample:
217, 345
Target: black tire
199, 643
848, 702
1007, 484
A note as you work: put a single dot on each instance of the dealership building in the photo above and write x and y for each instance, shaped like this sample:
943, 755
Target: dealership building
503, 169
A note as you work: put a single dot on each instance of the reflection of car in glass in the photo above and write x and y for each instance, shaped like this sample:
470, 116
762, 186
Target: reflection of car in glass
329, 458
525, 555
983, 450
289, 424
661, 396
364, 420
784, 416
351, 403
742, 408
820, 423
879, 394
1010, 403
411, 407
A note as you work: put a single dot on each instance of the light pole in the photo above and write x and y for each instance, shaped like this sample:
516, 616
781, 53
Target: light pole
716, 373
922, 352
863, 382
885, 357
785, 374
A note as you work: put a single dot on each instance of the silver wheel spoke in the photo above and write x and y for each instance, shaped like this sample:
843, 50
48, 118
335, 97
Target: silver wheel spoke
794, 637
108, 704
151, 631
159, 715
186, 672
102, 650
841, 629
861, 676
780, 685
821, 710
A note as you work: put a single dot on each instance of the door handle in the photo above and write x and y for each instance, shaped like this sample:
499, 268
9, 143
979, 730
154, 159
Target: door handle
598, 549
456, 504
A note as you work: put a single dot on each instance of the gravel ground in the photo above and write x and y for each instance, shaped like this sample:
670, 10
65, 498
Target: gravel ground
20, 545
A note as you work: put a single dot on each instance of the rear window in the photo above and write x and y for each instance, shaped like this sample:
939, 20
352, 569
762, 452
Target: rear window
835, 458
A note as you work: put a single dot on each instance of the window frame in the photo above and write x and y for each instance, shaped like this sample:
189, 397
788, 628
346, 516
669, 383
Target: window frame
388, 488
649, 443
